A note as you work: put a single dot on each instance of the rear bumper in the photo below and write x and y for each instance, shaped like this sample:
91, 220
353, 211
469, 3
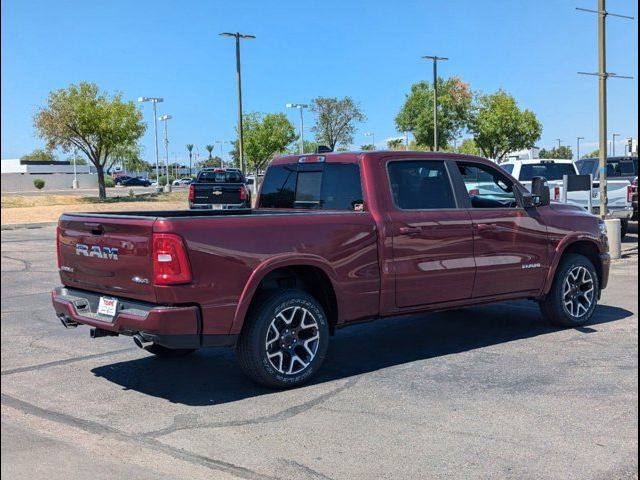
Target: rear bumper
170, 326
218, 206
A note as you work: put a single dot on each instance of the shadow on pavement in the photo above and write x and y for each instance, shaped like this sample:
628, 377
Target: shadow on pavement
212, 376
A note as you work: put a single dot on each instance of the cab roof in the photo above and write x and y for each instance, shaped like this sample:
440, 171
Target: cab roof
372, 156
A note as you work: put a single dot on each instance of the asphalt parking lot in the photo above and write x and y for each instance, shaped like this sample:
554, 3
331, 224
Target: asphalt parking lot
484, 392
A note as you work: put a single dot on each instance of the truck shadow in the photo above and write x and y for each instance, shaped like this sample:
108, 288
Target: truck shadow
212, 376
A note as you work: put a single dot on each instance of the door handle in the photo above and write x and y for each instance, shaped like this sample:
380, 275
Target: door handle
410, 230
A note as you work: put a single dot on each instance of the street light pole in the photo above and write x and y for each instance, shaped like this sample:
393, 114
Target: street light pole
301, 107
238, 36
154, 101
578, 147
165, 119
75, 185
559, 142
373, 138
435, 60
613, 144
221, 142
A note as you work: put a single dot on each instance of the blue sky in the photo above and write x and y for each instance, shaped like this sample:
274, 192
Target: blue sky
369, 50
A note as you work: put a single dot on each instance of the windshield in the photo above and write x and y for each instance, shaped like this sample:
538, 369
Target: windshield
550, 171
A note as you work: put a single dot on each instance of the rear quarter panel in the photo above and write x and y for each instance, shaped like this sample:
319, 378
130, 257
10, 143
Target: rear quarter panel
229, 256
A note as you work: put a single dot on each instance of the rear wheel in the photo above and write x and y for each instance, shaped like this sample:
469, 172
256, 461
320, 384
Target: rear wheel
574, 294
285, 339
161, 351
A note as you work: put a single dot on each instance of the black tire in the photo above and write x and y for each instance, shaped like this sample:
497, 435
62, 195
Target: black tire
165, 352
253, 352
553, 305
624, 228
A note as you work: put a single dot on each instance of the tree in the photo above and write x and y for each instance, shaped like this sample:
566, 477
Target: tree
129, 157
211, 162
368, 147
309, 147
190, 150
562, 152
81, 116
78, 160
264, 137
454, 111
594, 154
500, 127
39, 155
210, 159
469, 147
395, 144
335, 120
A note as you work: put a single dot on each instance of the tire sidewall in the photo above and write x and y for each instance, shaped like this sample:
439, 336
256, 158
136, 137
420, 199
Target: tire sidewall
267, 312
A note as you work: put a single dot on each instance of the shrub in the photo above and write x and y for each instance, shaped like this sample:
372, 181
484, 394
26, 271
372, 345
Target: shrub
163, 180
132, 193
38, 183
108, 182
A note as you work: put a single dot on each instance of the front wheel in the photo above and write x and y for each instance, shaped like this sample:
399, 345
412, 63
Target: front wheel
285, 339
574, 294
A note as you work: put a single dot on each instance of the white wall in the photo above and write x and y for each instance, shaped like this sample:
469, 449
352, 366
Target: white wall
17, 182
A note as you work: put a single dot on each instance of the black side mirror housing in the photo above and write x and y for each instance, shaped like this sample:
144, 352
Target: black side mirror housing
540, 192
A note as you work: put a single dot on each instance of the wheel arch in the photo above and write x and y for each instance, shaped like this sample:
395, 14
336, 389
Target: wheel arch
309, 273
585, 246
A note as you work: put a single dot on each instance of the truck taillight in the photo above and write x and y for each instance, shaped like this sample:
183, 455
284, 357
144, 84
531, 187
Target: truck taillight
243, 193
192, 192
556, 193
170, 260
58, 259
630, 192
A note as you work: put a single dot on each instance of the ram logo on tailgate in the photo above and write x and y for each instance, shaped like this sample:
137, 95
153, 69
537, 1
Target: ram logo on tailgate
107, 253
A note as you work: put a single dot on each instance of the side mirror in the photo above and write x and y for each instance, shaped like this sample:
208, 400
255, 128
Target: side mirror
540, 191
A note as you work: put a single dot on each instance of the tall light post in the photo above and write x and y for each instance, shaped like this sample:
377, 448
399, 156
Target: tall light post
578, 147
75, 185
373, 138
222, 142
165, 119
559, 142
154, 101
238, 36
301, 107
613, 144
435, 60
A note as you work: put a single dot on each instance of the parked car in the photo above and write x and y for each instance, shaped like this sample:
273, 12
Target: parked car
132, 182
219, 189
619, 201
621, 174
335, 239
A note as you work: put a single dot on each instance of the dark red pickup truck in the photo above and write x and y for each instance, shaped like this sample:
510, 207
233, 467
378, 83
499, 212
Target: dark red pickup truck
334, 239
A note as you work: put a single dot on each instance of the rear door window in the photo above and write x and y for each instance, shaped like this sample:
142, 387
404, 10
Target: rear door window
220, 176
421, 185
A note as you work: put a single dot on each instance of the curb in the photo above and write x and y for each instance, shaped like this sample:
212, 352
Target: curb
16, 226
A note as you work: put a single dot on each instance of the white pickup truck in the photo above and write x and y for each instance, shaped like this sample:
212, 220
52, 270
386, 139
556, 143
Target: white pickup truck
620, 190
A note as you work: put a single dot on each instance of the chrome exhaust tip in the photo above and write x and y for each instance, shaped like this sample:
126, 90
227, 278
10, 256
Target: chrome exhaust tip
141, 342
66, 321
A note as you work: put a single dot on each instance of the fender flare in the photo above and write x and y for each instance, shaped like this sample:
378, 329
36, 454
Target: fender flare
274, 263
565, 243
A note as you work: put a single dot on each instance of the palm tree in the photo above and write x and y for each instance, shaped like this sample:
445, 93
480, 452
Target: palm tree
190, 148
209, 149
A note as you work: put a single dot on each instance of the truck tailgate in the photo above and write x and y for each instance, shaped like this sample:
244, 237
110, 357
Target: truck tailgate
217, 194
107, 255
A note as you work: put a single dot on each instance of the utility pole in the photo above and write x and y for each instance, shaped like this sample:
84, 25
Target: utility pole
578, 147
603, 75
238, 36
559, 142
435, 60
